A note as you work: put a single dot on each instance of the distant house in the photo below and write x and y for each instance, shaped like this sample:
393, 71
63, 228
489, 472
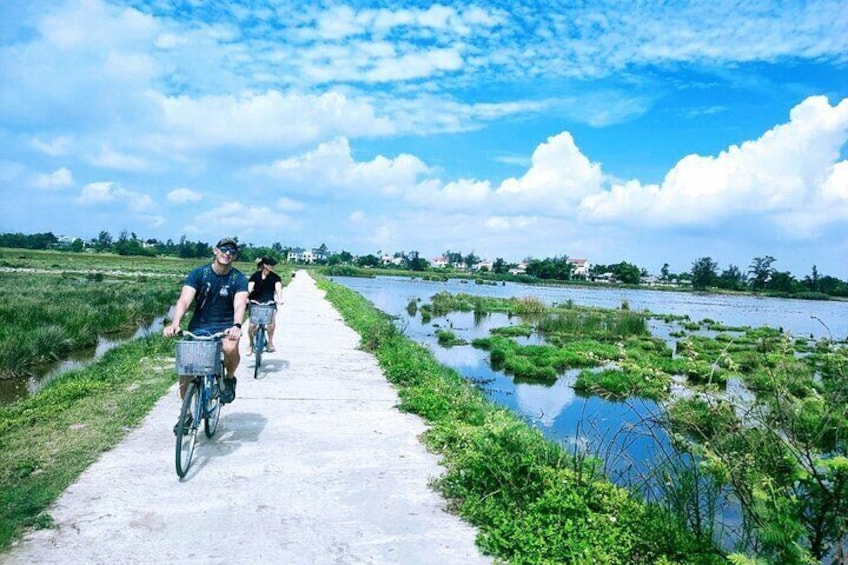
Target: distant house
581, 267
320, 254
604, 277
439, 262
65, 241
483, 264
519, 269
298, 255
301, 255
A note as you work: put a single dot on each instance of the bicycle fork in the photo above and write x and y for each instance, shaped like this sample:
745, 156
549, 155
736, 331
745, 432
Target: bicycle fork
209, 392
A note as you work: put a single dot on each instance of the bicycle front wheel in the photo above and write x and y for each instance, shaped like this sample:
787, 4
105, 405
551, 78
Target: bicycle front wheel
187, 434
258, 349
212, 412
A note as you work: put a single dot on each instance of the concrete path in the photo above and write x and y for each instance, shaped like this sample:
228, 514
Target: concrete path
311, 464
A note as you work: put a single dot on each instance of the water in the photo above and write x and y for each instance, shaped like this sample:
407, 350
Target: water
623, 433
802, 317
13, 390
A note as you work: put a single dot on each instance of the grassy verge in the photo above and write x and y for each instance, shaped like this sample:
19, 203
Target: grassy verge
531, 501
47, 440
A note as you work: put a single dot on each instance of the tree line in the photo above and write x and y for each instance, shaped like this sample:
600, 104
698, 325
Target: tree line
761, 275
128, 243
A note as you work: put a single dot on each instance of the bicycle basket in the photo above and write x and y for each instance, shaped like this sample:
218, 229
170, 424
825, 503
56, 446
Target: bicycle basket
198, 357
261, 313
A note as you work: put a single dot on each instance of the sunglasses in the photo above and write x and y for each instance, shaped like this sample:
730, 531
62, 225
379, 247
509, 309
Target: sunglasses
231, 251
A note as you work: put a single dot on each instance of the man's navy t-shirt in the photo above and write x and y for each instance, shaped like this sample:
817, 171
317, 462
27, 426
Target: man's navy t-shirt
214, 302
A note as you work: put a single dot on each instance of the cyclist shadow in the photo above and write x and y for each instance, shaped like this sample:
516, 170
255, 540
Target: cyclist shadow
235, 430
272, 366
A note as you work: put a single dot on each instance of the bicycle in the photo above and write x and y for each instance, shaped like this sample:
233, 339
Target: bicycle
261, 313
201, 359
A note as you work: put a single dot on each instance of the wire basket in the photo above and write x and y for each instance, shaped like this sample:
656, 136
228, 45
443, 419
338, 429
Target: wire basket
198, 357
261, 313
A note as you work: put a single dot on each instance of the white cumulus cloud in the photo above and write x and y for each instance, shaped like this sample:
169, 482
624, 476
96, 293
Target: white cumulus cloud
264, 119
783, 173
332, 166
182, 195
58, 179
107, 192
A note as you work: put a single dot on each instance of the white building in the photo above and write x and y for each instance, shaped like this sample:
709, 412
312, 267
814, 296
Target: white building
581, 267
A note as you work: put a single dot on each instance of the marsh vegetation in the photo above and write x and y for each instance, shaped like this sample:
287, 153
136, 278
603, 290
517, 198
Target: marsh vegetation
778, 455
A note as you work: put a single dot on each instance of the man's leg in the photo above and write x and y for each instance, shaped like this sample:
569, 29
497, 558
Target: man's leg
231, 363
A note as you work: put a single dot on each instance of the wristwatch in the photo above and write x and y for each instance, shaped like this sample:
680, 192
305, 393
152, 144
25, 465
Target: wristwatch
238, 325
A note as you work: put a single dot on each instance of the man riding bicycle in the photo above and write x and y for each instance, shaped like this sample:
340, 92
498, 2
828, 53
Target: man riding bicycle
218, 292
264, 286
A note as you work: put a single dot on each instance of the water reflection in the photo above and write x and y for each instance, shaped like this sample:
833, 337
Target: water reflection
546, 403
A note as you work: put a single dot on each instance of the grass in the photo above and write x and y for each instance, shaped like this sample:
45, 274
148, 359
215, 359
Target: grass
74, 299
541, 363
45, 317
47, 440
447, 338
600, 323
531, 501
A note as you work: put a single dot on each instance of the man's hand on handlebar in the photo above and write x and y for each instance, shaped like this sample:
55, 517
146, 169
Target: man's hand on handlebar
233, 333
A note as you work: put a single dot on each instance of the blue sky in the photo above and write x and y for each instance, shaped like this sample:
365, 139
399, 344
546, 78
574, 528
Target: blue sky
655, 133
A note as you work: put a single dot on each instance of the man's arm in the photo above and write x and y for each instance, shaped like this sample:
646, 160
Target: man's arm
239, 307
183, 304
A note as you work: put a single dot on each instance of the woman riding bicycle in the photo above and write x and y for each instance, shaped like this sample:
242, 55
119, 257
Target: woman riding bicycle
219, 294
265, 286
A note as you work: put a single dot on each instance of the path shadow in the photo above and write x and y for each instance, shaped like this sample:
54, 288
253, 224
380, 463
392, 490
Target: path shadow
234, 429
271, 366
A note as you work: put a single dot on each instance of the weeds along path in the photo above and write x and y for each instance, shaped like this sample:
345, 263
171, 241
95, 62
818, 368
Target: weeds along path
311, 464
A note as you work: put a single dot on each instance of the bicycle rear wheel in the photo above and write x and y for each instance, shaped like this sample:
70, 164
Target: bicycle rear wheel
259, 347
187, 435
212, 412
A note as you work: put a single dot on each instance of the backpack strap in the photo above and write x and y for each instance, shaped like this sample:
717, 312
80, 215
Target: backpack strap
204, 286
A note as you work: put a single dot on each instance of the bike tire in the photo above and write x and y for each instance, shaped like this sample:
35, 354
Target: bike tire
187, 437
259, 348
212, 410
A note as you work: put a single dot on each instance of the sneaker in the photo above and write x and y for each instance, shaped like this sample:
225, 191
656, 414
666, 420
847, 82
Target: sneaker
188, 422
229, 393
270, 348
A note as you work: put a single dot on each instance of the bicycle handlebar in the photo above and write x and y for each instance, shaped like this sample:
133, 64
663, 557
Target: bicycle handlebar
217, 335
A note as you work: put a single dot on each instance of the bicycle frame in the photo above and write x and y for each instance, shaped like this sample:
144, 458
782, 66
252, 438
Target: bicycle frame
200, 402
259, 337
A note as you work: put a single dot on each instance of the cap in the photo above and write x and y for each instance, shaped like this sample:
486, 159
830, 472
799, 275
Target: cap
227, 241
269, 261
